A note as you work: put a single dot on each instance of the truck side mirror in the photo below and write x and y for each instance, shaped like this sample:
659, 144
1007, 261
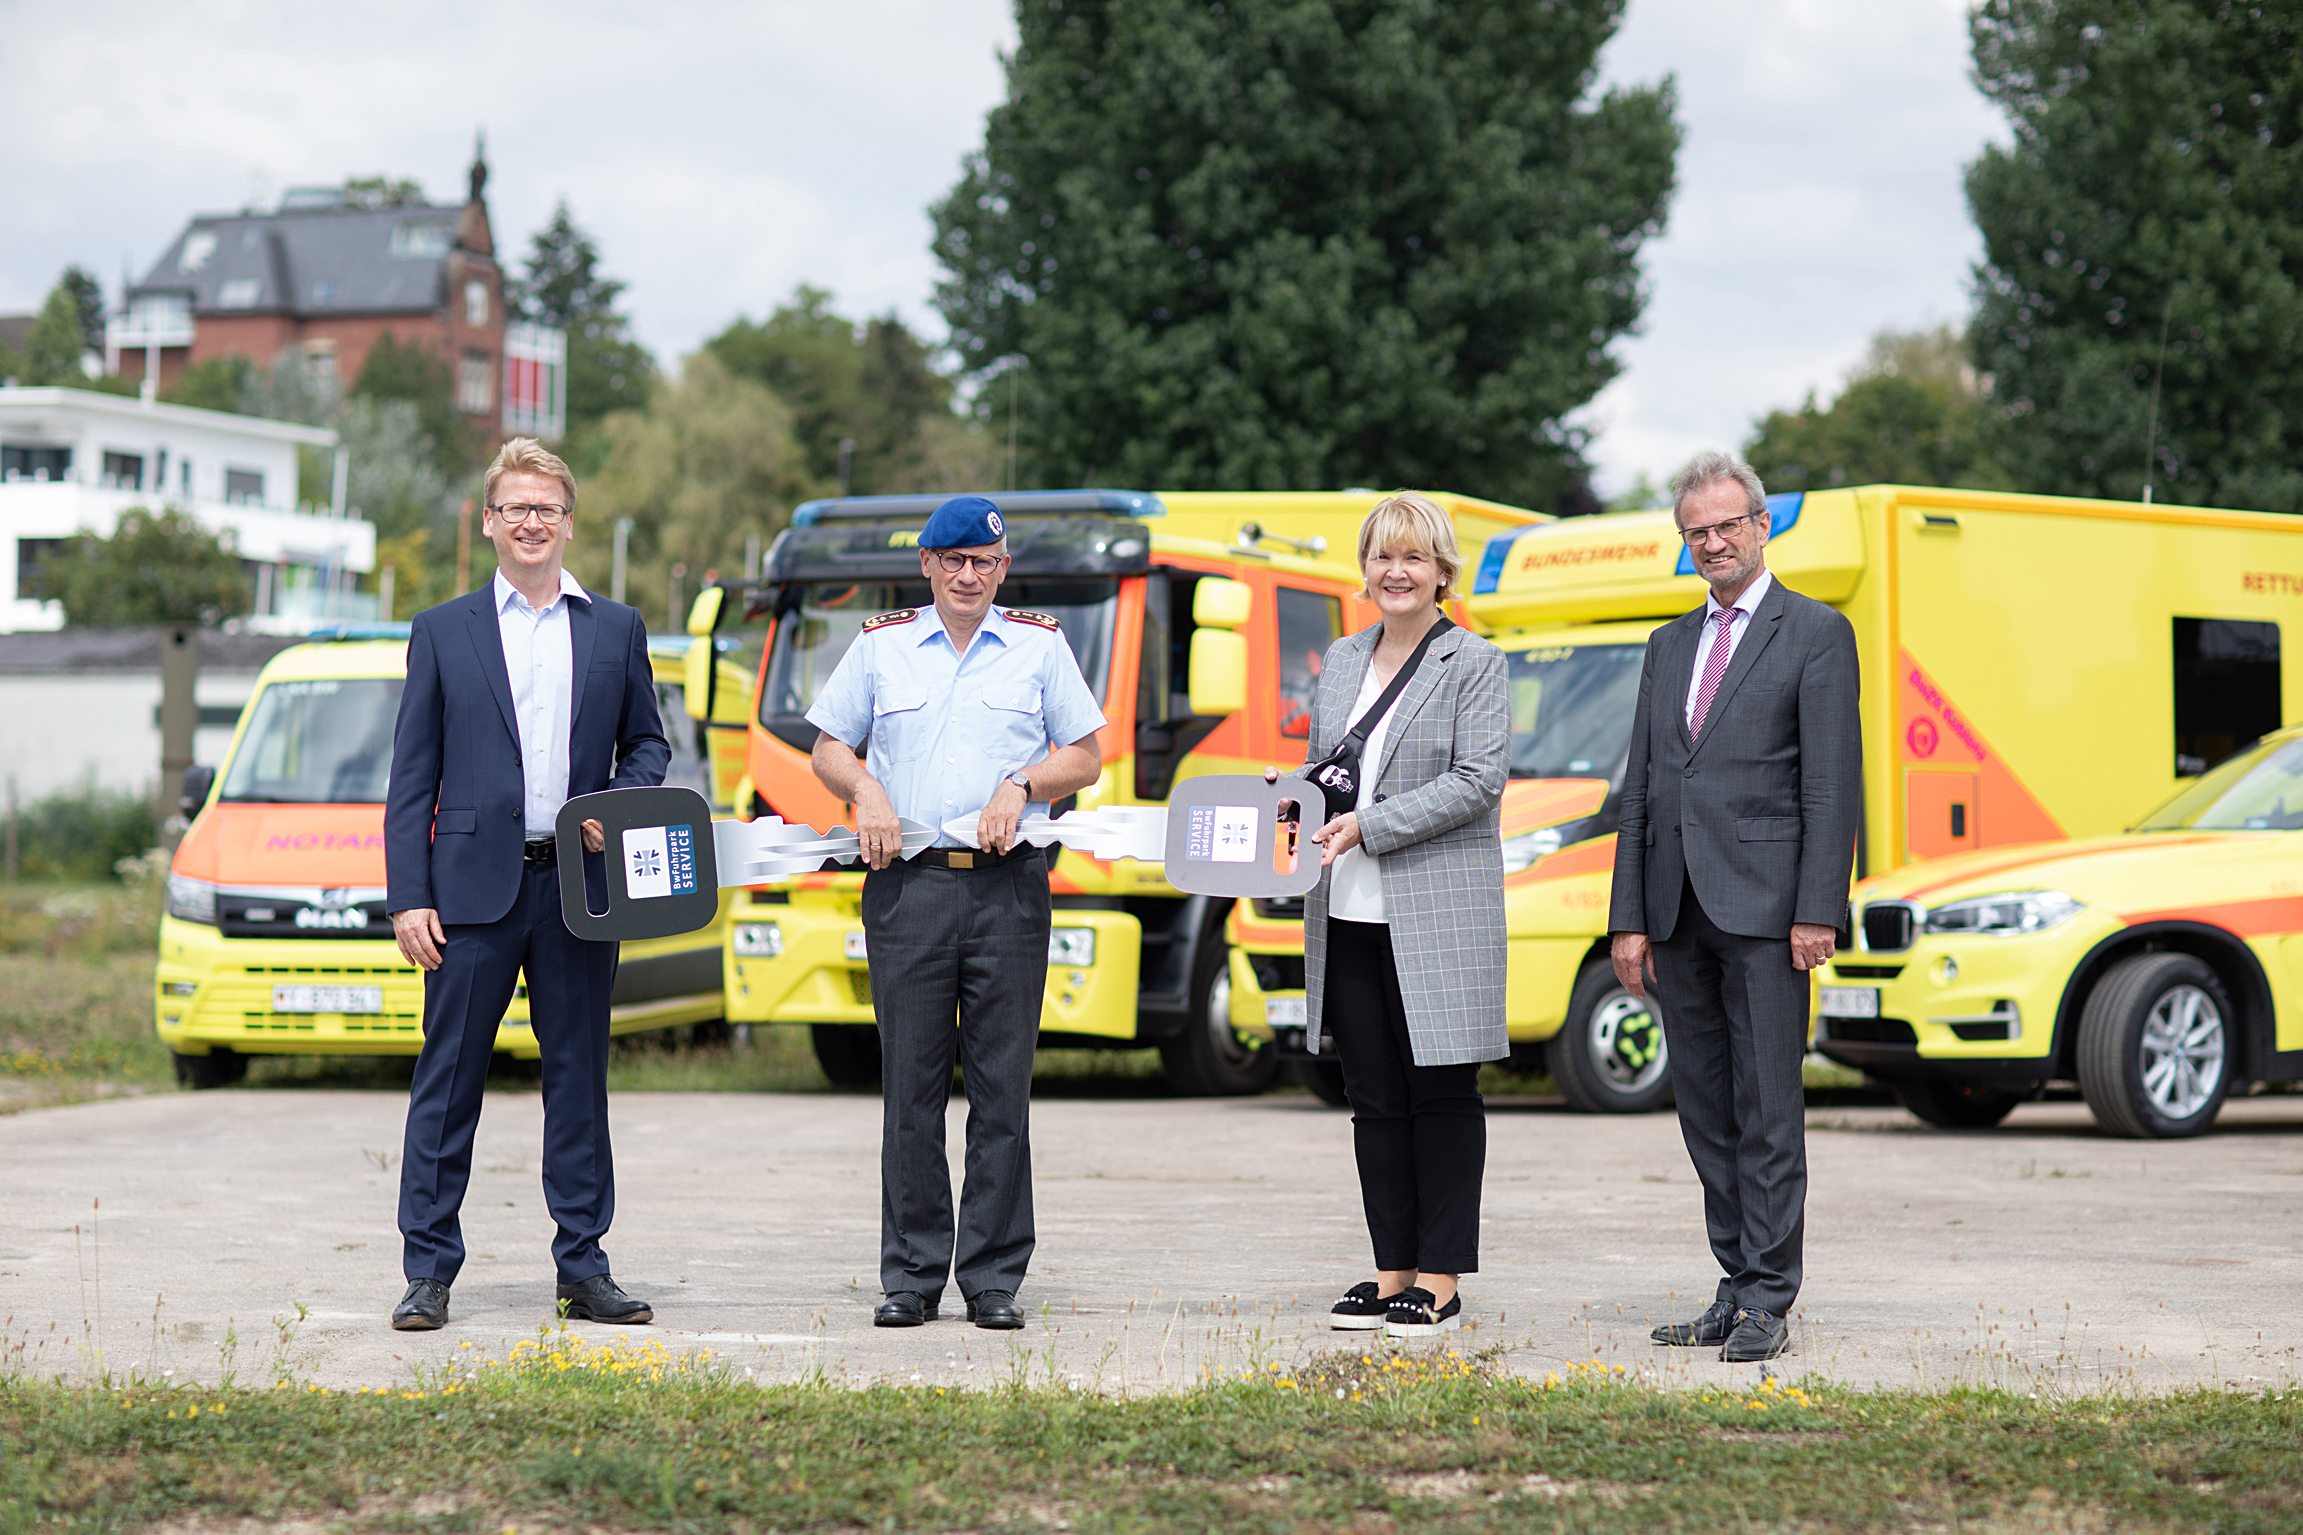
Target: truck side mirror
198, 780
702, 678
1217, 681
1218, 671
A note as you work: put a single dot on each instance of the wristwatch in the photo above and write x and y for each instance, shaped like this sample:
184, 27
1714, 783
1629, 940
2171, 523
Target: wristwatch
1023, 781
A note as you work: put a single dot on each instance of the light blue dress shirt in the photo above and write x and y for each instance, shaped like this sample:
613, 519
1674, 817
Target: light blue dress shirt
540, 663
946, 728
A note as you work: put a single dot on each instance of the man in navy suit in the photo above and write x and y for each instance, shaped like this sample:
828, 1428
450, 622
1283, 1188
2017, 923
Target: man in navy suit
520, 696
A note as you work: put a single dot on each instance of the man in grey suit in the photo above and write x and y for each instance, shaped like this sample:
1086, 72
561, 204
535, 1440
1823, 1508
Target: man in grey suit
1740, 801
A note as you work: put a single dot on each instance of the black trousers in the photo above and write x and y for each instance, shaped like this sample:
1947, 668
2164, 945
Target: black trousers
1735, 1016
970, 944
569, 981
1420, 1132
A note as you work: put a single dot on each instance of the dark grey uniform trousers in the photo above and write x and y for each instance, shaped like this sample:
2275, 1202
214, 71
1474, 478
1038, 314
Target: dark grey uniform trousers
1735, 1015
970, 944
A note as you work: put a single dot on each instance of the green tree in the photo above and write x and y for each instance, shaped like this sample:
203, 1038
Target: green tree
872, 384
563, 287
1912, 413
711, 459
1282, 243
88, 302
54, 344
412, 372
380, 191
2149, 205
157, 568
219, 383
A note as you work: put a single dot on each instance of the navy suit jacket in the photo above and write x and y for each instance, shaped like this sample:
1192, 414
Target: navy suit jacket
455, 818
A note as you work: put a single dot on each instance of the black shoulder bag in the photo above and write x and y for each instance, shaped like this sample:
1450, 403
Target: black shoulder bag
1337, 774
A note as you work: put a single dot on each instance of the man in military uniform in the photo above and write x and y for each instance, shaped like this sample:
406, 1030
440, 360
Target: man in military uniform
970, 710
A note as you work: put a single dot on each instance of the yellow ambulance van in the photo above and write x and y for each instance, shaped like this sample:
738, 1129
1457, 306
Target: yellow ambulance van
2034, 669
275, 941
1200, 620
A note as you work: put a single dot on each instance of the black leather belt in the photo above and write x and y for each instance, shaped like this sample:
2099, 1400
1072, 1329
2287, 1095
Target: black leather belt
542, 850
969, 858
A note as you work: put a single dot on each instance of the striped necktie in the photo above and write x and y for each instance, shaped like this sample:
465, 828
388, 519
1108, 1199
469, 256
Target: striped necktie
1714, 668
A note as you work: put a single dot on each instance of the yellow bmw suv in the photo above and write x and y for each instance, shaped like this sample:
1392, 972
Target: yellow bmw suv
2158, 969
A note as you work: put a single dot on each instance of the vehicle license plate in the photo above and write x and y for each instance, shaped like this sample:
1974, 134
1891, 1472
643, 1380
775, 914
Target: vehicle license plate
1285, 1012
1850, 1001
327, 999
854, 946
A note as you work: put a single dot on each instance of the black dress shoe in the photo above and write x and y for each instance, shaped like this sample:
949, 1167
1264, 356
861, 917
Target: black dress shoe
423, 1309
995, 1309
1758, 1335
904, 1308
1707, 1331
598, 1299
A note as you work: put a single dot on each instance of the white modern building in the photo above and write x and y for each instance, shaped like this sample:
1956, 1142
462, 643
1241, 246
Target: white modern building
72, 460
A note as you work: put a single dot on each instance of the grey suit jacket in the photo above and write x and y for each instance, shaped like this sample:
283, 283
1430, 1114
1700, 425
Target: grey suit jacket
1761, 811
1431, 826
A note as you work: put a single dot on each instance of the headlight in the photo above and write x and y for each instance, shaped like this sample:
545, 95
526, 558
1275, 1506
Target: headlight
191, 900
1522, 851
758, 940
2021, 911
1072, 946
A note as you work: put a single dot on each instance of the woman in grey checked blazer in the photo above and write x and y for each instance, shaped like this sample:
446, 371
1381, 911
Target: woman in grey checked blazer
1404, 937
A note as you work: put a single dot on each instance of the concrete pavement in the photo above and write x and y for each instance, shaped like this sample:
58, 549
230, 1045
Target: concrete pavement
179, 1232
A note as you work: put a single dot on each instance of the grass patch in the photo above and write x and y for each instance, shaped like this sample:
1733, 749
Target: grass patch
72, 1029
569, 1435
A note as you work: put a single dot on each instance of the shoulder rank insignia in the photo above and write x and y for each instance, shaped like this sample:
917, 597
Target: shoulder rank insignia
1043, 620
882, 620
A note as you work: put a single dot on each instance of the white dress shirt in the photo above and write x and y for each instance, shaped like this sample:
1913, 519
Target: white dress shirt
1356, 891
539, 660
1737, 627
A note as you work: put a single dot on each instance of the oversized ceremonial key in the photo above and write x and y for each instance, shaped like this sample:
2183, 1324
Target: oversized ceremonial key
1220, 835
667, 859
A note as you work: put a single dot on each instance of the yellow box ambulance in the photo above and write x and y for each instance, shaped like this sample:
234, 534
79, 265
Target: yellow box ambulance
274, 940
1200, 621
2034, 669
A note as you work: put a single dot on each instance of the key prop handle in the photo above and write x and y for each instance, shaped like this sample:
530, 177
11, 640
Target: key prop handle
662, 876
1222, 830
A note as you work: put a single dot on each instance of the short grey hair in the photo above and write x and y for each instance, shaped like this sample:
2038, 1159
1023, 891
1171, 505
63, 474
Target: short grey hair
1709, 469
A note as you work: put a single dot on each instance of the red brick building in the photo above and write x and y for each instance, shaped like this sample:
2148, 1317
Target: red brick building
329, 279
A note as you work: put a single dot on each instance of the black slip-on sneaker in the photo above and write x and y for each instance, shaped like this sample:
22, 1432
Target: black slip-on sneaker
1360, 1310
1415, 1313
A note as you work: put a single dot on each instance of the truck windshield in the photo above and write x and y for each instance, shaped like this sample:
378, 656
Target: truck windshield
322, 742
1571, 710
812, 636
2259, 790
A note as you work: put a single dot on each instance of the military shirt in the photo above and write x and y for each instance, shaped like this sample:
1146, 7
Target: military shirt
945, 729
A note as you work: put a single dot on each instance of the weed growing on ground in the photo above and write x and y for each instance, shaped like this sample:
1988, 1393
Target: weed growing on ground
565, 1433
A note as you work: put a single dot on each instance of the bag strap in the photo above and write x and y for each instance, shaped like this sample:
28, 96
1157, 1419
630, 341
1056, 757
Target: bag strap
1357, 736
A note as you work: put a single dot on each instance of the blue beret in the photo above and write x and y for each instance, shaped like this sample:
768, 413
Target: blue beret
963, 522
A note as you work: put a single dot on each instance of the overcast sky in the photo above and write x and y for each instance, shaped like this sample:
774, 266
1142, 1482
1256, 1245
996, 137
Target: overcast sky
724, 153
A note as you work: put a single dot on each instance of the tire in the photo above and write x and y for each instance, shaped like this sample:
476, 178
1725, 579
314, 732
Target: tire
1211, 1059
1954, 1105
218, 1068
2156, 1042
710, 1033
1325, 1079
1610, 1057
848, 1052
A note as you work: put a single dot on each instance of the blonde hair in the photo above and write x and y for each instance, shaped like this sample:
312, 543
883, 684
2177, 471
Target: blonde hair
525, 455
1412, 518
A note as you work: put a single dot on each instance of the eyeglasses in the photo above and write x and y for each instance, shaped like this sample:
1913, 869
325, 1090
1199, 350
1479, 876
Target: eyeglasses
985, 564
1725, 528
519, 512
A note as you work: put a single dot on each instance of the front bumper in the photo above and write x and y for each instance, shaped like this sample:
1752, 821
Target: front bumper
1973, 1008
822, 972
